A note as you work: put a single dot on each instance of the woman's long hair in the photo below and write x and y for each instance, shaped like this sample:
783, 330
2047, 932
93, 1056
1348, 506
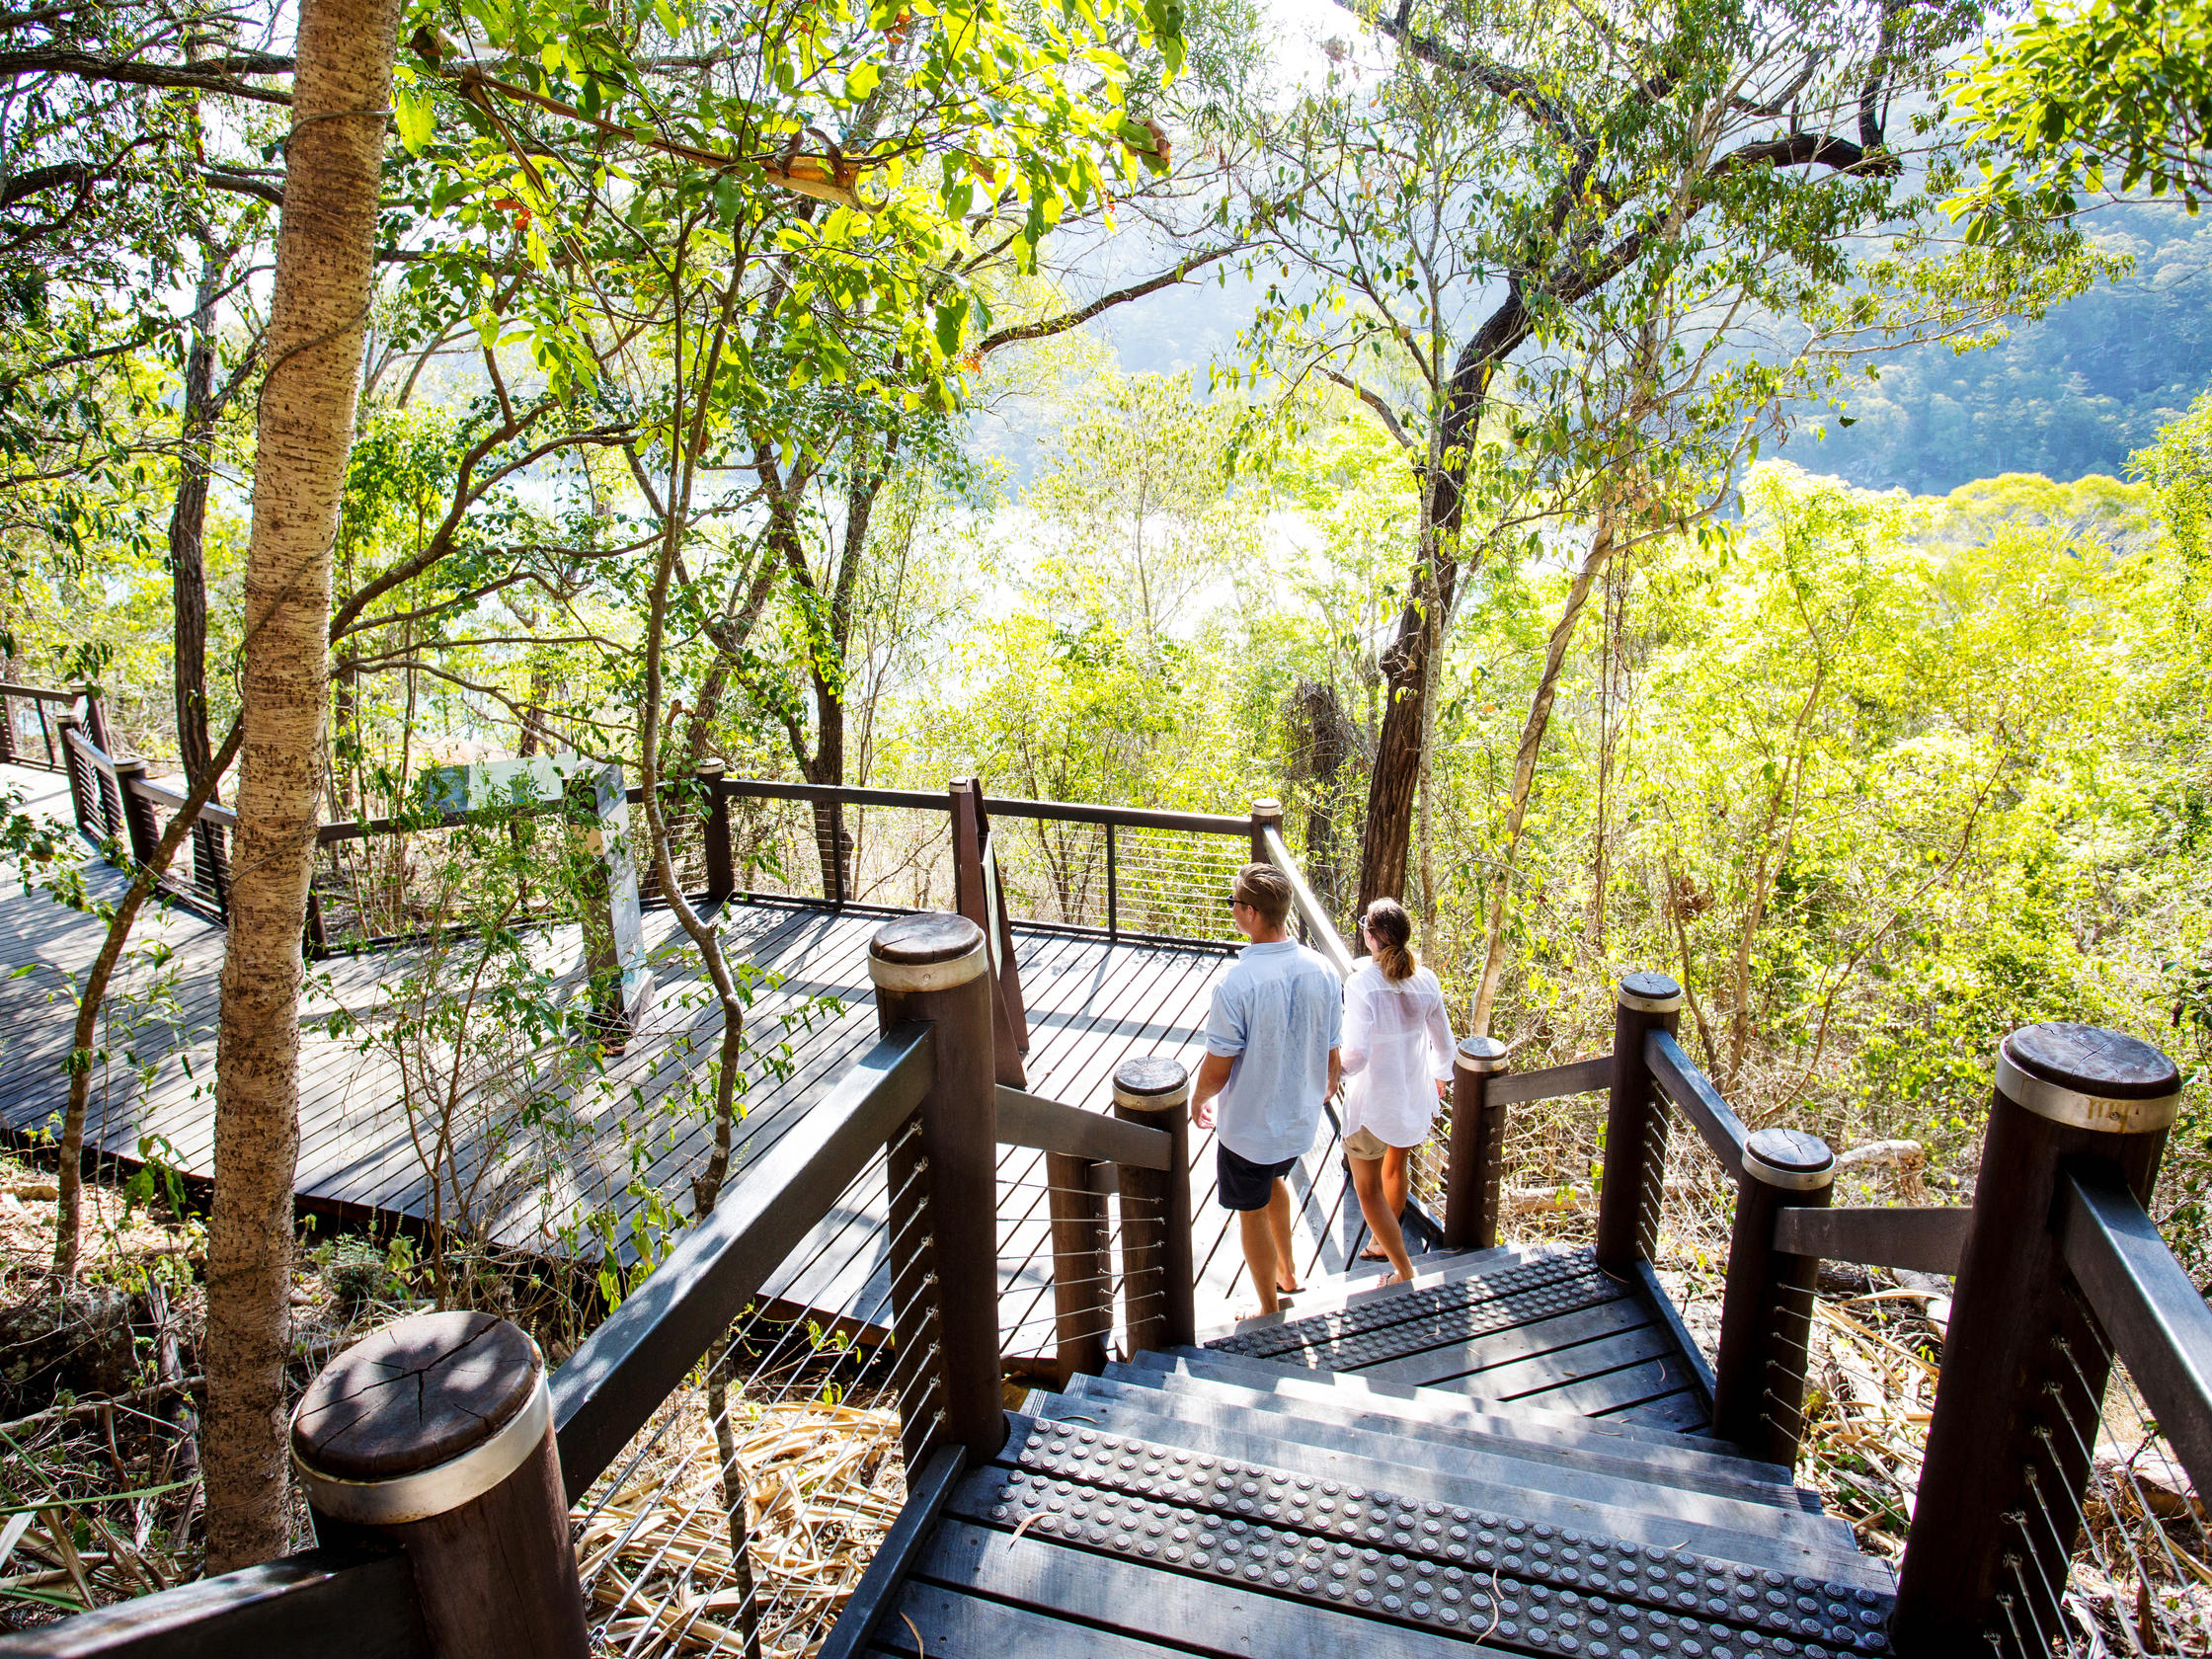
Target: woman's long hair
1392, 930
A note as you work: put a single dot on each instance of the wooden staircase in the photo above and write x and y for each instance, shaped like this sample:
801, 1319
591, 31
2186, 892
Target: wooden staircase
1416, 1470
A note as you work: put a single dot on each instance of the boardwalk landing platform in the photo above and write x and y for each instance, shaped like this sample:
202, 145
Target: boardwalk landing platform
1473, 1463
1091, 1004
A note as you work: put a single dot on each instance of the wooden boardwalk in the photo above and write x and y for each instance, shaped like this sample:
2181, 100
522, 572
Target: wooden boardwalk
601, 1139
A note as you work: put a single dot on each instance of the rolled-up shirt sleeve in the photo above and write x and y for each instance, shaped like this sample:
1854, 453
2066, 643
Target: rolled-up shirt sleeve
1225, 1024
1354, 1024
1441, 1046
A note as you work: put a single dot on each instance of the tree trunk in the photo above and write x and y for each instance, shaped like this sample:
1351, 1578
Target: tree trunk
188, 519
1387, 838
342, 99
69, 1181
1525, 770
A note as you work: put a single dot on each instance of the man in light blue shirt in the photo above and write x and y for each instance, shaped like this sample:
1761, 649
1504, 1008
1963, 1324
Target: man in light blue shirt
1271, 1058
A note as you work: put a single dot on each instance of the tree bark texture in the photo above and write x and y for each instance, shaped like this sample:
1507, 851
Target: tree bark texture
188, 522
341, 101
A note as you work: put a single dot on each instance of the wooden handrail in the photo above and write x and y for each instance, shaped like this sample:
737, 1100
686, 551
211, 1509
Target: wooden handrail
1552, 1082
43, 695
1321, 931
276, 1610
1921, 1240
1125, 818
2157, 1317
1694, 1097
161, 795
645, 1348
1053, 1126
838, 794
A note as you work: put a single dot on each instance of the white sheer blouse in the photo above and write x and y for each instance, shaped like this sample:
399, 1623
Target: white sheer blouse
1397, 1047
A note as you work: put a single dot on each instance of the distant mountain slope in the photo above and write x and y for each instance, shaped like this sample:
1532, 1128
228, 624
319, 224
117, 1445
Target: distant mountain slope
2072, 395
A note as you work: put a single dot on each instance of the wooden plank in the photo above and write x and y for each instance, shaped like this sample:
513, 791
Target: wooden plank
1545, 1373
1617, 1484
1685, 1411
1921, 1239
1207, 1616
285, 1609
1614, 1389
1696, 1098
1520, 1345
1028, 1120
933, 1622
1053, 1454
1552, 1082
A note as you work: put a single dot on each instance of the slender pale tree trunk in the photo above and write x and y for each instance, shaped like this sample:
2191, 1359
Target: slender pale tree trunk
188, 522
341, 101
1525, 769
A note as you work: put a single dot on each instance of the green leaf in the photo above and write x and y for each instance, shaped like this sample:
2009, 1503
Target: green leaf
949, 320
416, 117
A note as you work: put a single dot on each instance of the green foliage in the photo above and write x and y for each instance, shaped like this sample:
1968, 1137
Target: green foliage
2075, 95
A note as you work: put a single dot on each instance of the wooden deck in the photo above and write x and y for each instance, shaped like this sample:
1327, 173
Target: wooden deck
602, 1137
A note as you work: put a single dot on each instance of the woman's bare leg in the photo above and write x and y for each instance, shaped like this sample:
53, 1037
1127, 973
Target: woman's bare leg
1382, 1221
1396, 1178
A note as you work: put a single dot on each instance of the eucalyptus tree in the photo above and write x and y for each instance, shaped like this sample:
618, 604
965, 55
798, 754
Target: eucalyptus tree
319, 309
1490, 187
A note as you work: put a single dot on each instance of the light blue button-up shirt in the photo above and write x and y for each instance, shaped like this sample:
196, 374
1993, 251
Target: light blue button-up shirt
1277, 1012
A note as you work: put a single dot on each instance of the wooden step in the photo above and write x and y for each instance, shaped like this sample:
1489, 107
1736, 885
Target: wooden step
1255, 1443
1449, 1405
1491, 1433
1552, 1329
1359, 1287
1085, 1542
1620, 1487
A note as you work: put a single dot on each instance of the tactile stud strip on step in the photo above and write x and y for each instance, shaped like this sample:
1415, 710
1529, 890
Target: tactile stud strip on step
1525, 1584
1466, 1309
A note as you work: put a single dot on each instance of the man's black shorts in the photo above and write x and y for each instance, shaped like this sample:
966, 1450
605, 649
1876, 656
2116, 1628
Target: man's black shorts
1243, 1184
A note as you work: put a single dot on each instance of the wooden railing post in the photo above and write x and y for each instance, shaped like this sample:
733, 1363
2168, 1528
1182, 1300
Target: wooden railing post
931, 967
435, 1434
975, 897
1159, 1273
1767, 1304
1266, 815
1636, 1165
722, 863
138, 813
1082, 1269
7, 729
74, 768
1471, 1176
2024, 1371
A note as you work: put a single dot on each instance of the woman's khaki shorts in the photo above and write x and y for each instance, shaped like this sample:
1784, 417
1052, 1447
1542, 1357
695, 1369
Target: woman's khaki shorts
1364, 1142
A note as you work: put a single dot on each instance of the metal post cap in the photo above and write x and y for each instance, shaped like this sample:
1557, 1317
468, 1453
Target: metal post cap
1646, 992
417, 1419
929, 951
2089, 1077
1481, 1054
1790, 1160
1267, 807
1152, 1083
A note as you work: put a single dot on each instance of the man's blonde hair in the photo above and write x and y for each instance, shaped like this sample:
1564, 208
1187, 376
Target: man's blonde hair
1267, 890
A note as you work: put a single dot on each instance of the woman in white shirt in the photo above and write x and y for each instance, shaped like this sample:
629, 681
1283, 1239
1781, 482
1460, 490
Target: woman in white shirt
1398, 1063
